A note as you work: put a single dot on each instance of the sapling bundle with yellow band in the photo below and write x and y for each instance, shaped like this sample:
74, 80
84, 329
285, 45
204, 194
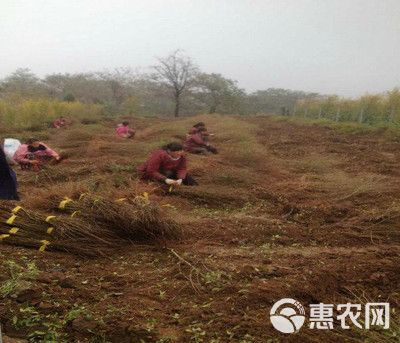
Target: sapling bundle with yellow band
135, 219
30, 228
88, 225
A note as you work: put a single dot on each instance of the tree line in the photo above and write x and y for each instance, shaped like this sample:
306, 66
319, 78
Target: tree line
176, 86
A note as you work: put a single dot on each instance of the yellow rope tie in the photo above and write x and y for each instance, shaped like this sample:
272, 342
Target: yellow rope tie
145, 197
16, 209
63, 203
50, 218
169, 205
81, 196
11, 219
171, 188
74, 213
50, 230
13, 230
44, 245
4, 235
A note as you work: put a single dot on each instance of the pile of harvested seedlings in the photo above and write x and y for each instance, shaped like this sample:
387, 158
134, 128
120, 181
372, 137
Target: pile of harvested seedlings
88, 226
38, 230
134, 219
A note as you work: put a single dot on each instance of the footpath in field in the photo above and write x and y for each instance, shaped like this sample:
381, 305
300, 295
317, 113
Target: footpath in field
285, 210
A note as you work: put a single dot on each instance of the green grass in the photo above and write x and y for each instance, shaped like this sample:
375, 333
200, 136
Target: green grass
20, 277
38, 114
390, 129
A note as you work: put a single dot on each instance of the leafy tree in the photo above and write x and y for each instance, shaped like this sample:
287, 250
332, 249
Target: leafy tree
23, 83
69, 97
86, 87
273, 100
218, 93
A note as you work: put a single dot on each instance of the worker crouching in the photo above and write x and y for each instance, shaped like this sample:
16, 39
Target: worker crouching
197, 144
124, 131
167, 165
33, 154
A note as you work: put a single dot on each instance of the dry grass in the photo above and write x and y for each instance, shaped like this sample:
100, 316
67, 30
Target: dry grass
36, 229
89, 226
279, 212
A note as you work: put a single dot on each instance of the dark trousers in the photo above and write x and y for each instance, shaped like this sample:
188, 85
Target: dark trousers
203, 150
187, 181
8, 186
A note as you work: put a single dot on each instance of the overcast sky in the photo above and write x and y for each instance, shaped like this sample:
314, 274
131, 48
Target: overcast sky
346, 47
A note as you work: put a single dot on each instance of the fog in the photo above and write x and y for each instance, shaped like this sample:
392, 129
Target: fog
332, 47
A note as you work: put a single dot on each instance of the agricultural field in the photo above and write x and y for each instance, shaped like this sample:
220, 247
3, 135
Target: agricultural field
285, 210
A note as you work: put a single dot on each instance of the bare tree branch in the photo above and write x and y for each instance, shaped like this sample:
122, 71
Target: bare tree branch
178, 73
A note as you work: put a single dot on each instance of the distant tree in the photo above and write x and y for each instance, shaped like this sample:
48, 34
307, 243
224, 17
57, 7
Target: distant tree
177, 72
372, 108
23, 83
218, 93
69, 97
151, 96
86, 87
393, 103
130, 105
119, 81
272, 100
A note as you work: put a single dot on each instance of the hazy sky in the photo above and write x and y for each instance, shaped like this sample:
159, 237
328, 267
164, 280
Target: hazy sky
347, 47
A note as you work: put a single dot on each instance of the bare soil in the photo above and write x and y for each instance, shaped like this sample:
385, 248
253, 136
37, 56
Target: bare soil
290, 210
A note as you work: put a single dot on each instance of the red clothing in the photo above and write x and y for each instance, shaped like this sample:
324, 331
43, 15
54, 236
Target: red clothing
160, 164
194, 141
195, 130
22, 152
59, 123
124, 131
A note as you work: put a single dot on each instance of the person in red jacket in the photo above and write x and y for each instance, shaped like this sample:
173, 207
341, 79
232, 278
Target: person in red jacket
199, 126
59, 123
167, 165
197, 144
195, 128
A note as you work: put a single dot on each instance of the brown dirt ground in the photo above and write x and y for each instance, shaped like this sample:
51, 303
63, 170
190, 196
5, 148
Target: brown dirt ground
289, 210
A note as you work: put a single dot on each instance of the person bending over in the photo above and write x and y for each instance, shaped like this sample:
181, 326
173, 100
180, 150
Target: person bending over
59, 123
197, 144
167, 165
8, 179
123, 130
33, 154
200, 126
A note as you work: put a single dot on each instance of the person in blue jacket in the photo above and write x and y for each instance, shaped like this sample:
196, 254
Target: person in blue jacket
8, 179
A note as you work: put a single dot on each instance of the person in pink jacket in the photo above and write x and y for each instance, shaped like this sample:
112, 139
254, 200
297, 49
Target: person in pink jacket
34, 153
123, 130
